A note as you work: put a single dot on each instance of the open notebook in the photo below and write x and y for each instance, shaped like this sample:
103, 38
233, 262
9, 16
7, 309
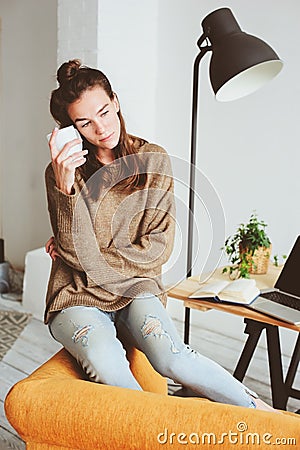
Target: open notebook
242, 291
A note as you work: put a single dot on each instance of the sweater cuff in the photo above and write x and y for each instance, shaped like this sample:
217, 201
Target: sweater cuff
65, 211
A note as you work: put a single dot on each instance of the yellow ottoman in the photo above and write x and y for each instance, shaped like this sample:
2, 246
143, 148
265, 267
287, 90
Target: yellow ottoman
56, 408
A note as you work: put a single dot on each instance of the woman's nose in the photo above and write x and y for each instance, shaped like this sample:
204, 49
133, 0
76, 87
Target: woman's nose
99, 128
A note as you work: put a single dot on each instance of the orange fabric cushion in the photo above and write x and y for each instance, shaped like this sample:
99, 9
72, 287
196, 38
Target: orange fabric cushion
55, 409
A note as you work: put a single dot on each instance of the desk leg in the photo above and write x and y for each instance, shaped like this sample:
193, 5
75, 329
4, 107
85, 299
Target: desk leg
281, 388
279, 393
254, 333
187, 325
291, 373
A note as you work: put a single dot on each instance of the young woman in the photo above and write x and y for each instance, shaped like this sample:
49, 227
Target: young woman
111, 207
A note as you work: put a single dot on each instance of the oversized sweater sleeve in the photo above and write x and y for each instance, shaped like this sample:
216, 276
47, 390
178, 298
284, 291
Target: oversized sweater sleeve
152, 247
61, 209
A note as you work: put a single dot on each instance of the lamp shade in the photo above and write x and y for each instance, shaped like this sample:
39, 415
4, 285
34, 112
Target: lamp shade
240, 63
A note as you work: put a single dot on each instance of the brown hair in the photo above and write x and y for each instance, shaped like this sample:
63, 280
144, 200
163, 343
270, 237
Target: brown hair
74, 79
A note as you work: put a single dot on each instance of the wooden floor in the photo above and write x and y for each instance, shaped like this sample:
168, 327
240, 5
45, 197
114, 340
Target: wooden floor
35, 346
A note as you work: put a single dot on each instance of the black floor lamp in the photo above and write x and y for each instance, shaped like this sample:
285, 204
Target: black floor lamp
240, 64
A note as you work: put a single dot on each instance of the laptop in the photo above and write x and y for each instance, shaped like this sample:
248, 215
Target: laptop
283, 301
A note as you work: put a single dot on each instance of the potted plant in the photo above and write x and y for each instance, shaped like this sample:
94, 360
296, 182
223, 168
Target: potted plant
248, 249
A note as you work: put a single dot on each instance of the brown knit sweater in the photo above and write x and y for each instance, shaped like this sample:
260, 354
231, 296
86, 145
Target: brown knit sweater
112, 248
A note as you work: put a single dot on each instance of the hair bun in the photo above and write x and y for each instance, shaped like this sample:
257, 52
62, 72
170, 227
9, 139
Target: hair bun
68, 70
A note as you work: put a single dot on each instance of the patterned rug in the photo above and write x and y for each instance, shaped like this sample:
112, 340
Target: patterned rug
12, 323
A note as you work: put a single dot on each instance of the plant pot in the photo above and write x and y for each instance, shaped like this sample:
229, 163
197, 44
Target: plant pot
259, 261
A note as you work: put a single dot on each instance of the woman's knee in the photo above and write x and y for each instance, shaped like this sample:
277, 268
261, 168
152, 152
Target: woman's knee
104, 367
109, 366
169, 364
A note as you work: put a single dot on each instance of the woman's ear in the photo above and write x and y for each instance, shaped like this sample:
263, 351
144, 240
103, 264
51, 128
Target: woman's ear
116, 102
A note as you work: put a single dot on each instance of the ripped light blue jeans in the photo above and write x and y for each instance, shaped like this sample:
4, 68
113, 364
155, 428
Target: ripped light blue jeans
90, 335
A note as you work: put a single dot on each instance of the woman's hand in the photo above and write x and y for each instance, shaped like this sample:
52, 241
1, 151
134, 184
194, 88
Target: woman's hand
63, 165
51, 248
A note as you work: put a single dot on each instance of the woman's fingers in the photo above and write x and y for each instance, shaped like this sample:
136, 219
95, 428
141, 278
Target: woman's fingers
78, 158
51, 248
70, 160
68, 150
49, 243
52, 144
53, 253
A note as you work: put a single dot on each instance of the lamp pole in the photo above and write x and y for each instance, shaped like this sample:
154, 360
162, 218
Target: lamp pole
203, 51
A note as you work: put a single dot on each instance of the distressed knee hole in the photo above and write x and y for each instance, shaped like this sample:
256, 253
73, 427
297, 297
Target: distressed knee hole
81, 334
152, 326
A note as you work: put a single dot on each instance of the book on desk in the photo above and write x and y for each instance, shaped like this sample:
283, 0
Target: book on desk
241, 291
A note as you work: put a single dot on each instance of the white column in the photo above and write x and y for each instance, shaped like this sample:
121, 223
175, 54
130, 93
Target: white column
127, 54
77, 34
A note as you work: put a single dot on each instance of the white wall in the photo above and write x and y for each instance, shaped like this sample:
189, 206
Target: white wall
28, 65
128, 49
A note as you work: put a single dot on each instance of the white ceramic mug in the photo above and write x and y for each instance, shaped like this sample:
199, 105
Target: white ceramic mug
65, 135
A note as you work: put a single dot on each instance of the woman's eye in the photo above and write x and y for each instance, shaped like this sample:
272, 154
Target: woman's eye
104, 113
85, 124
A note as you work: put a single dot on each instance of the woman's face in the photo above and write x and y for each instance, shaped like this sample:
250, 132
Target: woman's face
95, 116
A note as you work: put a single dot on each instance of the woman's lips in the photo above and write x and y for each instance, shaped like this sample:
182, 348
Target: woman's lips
106, 138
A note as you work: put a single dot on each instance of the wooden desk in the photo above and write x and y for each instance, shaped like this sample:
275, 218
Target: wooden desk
255, 324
